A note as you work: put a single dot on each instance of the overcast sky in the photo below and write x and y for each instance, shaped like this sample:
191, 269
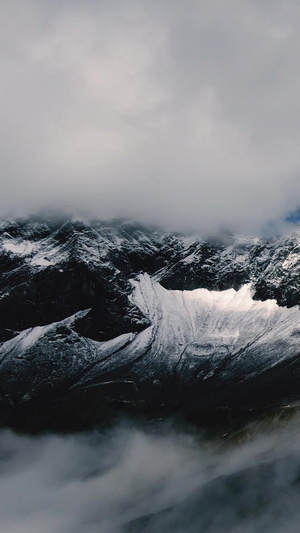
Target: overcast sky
182, 113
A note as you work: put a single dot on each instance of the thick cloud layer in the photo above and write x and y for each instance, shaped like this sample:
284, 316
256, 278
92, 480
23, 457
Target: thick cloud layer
131, 480
184, 114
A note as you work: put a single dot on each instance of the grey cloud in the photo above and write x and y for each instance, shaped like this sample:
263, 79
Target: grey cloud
154, 479
182, 115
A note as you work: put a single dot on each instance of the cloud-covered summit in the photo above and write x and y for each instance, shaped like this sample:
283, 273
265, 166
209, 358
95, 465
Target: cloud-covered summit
186, 115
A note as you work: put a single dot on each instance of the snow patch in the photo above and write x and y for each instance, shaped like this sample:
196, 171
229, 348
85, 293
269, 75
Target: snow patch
19, 248
291, 261
32, 336
42, 261
230, 299
22, 342
211, 325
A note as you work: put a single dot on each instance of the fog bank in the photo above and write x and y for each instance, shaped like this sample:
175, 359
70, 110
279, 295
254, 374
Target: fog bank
130, 479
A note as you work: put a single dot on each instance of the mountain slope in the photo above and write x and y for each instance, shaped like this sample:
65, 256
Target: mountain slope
98, 312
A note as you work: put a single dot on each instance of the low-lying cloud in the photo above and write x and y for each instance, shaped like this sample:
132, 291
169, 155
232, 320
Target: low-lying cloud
182, 114
130, 479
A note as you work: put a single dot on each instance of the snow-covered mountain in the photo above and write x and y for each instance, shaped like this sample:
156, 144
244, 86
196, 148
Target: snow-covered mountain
95, 314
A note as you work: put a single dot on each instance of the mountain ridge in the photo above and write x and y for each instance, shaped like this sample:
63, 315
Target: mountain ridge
99, 313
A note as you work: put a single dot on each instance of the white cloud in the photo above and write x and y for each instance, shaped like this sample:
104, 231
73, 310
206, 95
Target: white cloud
185, 115
153, 479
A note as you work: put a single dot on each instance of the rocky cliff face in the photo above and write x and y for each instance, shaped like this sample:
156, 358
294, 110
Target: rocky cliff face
97, 314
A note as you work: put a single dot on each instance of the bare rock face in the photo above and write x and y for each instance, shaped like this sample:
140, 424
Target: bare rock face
101, 315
